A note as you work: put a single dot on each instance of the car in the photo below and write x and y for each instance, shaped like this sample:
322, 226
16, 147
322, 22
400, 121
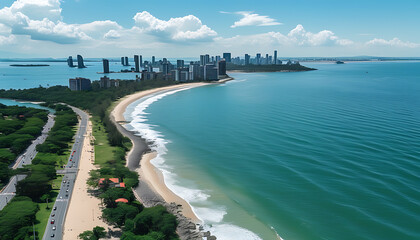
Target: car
67, 195
61, 197
67, 190
52, 235
55, 208
52, 221
64, 181
54, 228
53, 215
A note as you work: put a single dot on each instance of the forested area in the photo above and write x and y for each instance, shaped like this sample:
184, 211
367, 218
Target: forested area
17, 218
18, 127
137, 222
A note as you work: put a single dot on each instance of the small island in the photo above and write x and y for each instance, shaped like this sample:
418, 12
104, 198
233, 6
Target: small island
29, 65
290, 67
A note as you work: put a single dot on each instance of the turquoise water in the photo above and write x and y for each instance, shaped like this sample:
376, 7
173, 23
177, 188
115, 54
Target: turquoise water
58, 73
328, 154
10, 102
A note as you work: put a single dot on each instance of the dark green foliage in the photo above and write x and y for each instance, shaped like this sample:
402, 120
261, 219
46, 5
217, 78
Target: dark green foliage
95, 234
118, 215
155, 219
267, 68
5, 173
6, 156
112, 194
20, 212
34, 186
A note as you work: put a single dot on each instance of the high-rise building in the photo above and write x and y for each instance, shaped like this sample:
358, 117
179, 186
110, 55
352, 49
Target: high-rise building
179, 63
247, 57
212, 59
227, 57
202, 60
80, 63
194, 71
136, 63
126, 61
79, 84
210, 72
165, 68
258, 58
105, 82
275, 57
70, 61
222, 67
153, 60
266, 58
141, 61
218, 58
105, 63
207, 59
122, 61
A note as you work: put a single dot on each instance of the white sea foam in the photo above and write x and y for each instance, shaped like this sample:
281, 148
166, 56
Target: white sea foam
212, 216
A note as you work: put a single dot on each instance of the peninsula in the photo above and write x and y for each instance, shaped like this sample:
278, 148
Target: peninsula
29, 65
293, 67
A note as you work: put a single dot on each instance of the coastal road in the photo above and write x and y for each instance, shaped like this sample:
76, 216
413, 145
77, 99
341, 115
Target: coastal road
54, 229
24, 159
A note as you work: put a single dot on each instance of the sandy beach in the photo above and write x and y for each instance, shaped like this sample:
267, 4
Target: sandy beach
84, 209
152, 188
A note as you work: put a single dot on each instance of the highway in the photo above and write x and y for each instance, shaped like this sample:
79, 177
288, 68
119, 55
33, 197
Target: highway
54, 229
24, 159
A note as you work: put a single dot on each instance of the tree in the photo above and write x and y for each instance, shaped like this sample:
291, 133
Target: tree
96, 234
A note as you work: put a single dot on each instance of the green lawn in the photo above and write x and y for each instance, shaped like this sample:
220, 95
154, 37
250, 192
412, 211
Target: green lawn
103, 151
43, 214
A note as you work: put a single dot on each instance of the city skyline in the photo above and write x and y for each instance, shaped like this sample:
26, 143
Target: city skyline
53, 28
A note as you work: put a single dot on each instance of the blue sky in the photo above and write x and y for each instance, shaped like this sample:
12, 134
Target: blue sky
109, 28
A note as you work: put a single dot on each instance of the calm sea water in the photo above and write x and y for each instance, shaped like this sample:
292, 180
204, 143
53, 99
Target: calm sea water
328, 154
58, 73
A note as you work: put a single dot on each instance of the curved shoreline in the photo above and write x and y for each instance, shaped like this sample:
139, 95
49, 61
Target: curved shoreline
152, 189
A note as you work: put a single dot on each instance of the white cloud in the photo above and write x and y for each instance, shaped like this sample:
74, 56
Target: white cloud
395, 42
41, 20
175, 29
253, 19
112, 34
323, 38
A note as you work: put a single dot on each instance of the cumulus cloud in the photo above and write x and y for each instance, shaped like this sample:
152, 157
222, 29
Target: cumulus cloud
175, 29
395, 42
323, 38
253, 19
41, 20
112, 34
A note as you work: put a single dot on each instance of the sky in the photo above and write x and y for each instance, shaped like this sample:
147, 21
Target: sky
295, 28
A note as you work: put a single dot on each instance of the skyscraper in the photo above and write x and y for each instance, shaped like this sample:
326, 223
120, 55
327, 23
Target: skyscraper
136, 63
126, 61
202, 60
179, 63
79, 84
70, 61
227, 57
153, 60
247, 57
258, 58
105, 63
80, 63
141, 61
275, 57
222, 67
266, 58
207, 59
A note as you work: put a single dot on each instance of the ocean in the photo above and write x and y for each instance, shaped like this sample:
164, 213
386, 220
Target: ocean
327, 154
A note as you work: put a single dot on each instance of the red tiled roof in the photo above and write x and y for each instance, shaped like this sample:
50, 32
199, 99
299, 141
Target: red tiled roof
122, 200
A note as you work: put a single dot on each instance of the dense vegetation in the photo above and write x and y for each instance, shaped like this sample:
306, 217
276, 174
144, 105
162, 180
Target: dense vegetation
18, 127
267, 68
37, 186
137, 222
